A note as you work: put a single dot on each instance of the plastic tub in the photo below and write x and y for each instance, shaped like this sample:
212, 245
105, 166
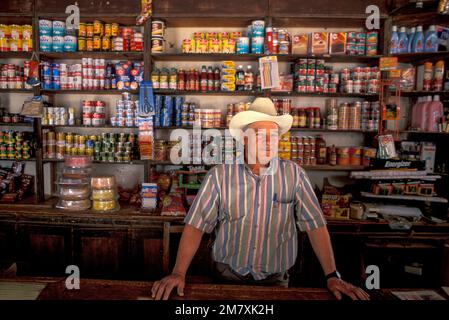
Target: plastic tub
105, 206
76, 173
73, 205
103, 182
81, 192
104, 194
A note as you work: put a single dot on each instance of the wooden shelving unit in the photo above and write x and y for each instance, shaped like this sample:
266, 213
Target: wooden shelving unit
88, 91
111, 55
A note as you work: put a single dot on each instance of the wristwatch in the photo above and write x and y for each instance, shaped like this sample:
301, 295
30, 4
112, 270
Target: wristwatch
334, 274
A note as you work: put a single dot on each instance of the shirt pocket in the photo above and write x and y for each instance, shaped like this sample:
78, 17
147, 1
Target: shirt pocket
283, 222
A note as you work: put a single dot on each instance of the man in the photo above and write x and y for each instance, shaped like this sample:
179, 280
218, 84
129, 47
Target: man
254, 209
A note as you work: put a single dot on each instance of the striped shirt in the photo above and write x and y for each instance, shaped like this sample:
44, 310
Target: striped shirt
255, 217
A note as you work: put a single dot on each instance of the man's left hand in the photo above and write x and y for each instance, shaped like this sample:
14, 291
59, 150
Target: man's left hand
339, 287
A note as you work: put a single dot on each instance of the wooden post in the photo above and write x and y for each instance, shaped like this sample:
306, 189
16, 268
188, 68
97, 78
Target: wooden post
166, 248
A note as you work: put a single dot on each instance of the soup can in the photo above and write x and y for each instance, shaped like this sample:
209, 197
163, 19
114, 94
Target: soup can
89, 30
106, 43
16, 31
45, 27
4, 45
81, 44
157, 28
98, 28
114, 29
97, 43
107, 29
15, 45
5, 31
89, 44
82, 30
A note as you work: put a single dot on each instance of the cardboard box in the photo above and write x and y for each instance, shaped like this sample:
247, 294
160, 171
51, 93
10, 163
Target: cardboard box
337, 42
336, 206
300, 44
320, 43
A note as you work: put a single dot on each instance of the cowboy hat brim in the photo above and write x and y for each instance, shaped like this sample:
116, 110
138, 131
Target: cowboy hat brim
244, 118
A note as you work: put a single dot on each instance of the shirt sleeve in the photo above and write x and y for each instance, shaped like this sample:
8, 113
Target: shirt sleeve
203, 213
309, 215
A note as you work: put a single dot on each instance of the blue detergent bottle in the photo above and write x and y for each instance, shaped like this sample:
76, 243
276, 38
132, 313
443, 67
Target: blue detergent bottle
411, 35
418, 40
403, 41
431, 40
394, 40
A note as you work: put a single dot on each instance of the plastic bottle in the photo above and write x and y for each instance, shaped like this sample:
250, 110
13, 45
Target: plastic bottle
418, 40
431, 40
240, 79
411, 36
402, 41
434, 114
249, 79
217, 79
210, 79
394, 40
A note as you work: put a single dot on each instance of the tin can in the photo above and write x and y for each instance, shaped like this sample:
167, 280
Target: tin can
15, 45
188, 46
27, 45
58, 28
157, 28
89, 44
106, 43
107, 30
82, 30
96, 43
98, 28
4, 45
114, 29
157, 45
70, 43
5, 31
16, 31
81, 44
89, 30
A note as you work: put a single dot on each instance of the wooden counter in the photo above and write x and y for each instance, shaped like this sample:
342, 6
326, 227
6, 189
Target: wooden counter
94, 289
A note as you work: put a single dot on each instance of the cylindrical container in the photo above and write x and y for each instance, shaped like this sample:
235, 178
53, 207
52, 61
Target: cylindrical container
45, 43
257, 45
157, 28
343, 156
258, 28
242, 45
45, 27
58, 43
157, 44
70, 43
355, 156
58, 28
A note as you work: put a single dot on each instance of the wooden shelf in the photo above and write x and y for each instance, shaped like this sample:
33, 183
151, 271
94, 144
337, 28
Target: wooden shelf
444, 94
207, 93
254, 57
88, 91
292, 129
138, 162
48, 126
113, 55
421, 57
15, 55
28, 160
405, 197
16, 91
177, 21
16, 124
325, 95
425, 132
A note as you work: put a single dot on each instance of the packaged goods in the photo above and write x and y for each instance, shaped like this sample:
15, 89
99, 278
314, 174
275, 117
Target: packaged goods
73, 205
337, 42
319, 43
300, 44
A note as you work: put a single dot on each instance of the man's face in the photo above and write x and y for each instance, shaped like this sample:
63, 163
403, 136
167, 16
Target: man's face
261, 141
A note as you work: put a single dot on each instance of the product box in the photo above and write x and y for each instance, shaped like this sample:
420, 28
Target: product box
228, 65
300, 44
320, 43
337, 42
228, 78
128, 75
443, 38
428, 151
336, 206
225, 86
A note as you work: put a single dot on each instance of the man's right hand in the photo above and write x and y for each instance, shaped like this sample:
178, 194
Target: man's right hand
162, 288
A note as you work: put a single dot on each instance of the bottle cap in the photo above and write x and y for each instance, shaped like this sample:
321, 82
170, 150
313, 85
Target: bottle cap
413, 30
394, 29
402, 29
419, 29
432, 28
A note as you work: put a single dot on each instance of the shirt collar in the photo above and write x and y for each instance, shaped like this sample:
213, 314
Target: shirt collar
274, 163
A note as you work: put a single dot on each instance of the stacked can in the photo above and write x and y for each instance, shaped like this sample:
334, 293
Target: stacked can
343, 116
187, 114
157, 36
283, 106
360, 80
93, 71
126, 112
356, 43
16, 38
12, 76
58, 116
16, 145
370, 116
355, 110
279, 42
94, 113
58, 33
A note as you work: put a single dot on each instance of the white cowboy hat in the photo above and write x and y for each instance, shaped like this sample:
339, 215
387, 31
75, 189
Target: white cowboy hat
262, 109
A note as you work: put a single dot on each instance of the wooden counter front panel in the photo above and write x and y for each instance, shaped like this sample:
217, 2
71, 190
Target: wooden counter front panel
100, 253
42, 250
7, 244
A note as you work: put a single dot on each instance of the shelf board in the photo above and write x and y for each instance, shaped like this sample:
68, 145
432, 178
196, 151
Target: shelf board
124, 19
16, 91
28, 160
113, 55
177, 21
48, 126
424, 93
425, 132
324, 95
421, 56
139, 162
15, 55
405, 197
16, 124
254, 57
88, 91
207, 93
292, 129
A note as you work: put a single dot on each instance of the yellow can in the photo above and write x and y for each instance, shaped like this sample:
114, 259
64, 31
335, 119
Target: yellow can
82, 32
60, 137
69, 138
27, 45
82, 139
107, 30
97, 43
27, 31
114, 29
16, 31
89, 30
5, 31
98, 28
4, 44
106, 43
15, 45
81, 44
50, 136
89, 44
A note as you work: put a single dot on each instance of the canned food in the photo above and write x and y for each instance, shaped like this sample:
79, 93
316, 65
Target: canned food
89, 44
157, 44
89, 30
114, 29
106, 43
27, 45
98, 28
82, 30
107, 30
81, 44
97, 43
157, 28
